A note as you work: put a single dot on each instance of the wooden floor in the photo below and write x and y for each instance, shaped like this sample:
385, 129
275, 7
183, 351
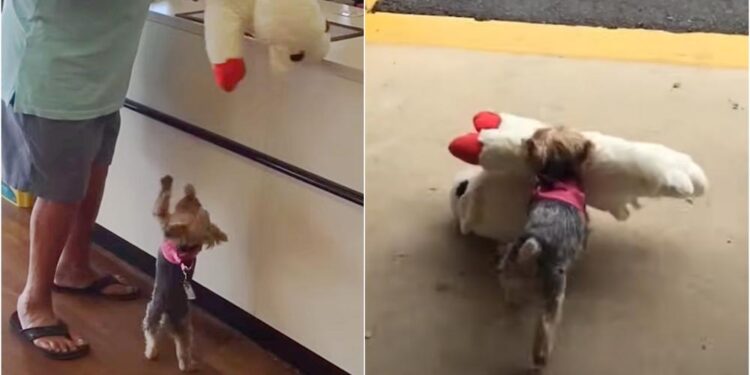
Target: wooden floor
111, 327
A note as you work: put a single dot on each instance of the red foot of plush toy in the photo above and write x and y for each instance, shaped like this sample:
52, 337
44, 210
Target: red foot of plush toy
467, 147
228, 74
486, 120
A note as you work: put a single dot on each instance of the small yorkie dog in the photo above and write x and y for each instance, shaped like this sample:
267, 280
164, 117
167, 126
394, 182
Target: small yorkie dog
556, 231
186, 231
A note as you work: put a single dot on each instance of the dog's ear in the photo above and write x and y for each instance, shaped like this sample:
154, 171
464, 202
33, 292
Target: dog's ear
189, 191
214, 236
534, 153
530, 148
586, 150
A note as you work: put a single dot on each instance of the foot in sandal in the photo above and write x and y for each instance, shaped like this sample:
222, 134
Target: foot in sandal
44, 331
75, 275
107, 286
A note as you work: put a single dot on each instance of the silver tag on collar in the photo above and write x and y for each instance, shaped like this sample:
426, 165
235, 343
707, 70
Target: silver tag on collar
189, 290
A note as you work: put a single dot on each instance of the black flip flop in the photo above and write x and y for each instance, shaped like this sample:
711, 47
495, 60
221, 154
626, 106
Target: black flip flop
96, 289
58, 330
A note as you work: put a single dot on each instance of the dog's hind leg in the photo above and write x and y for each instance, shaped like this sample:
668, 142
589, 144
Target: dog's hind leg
548, 322
183, 340
510, 295
152, 325
502, 254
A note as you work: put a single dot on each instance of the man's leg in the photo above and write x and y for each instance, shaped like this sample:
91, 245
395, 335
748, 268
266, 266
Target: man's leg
74, 268
28, 142
50, 225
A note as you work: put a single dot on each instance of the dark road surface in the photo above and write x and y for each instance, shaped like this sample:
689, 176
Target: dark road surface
717, 16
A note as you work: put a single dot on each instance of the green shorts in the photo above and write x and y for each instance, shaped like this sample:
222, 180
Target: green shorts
52, 159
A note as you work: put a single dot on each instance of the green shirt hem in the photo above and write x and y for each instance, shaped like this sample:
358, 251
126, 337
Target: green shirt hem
67, 115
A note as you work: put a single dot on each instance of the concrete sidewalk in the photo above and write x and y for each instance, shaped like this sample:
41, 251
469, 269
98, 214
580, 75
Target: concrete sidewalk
663, 293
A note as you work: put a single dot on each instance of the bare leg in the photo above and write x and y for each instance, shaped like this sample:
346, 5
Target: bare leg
74, 268
49, 227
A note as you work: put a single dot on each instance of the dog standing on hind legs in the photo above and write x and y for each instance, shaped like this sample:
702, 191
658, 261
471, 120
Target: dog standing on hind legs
186, 231
555, 233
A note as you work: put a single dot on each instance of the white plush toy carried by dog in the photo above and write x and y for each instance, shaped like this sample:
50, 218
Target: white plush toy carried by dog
491, 198
294, 30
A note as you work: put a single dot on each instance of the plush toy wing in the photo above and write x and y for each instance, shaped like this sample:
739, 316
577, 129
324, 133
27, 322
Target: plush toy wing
623, 171
619, 172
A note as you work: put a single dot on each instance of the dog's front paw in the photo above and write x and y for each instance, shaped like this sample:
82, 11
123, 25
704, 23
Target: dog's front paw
166, 182
540, 356
151, 353
540, 362
189, 366
536, 370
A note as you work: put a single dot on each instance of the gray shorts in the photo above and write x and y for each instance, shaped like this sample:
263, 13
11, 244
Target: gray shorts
52, 159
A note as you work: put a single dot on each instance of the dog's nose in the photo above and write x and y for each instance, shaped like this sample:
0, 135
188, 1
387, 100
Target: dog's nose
297, 57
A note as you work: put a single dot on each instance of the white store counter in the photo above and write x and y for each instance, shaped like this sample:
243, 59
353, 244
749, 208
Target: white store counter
294, 258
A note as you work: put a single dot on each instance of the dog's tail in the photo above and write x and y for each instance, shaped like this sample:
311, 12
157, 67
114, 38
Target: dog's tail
528, 250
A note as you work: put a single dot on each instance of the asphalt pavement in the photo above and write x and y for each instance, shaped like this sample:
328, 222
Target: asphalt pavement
722, 16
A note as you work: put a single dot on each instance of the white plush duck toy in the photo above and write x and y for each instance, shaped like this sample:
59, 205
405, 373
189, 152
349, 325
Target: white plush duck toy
294, 30
491, 199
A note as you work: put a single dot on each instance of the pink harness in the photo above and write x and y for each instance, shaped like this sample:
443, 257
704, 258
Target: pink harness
174, 256
569, 191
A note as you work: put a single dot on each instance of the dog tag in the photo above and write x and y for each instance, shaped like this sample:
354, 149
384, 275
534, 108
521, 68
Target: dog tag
189, 290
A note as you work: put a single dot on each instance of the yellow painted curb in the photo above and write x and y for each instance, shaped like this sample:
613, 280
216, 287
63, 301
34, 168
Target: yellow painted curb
701, 49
